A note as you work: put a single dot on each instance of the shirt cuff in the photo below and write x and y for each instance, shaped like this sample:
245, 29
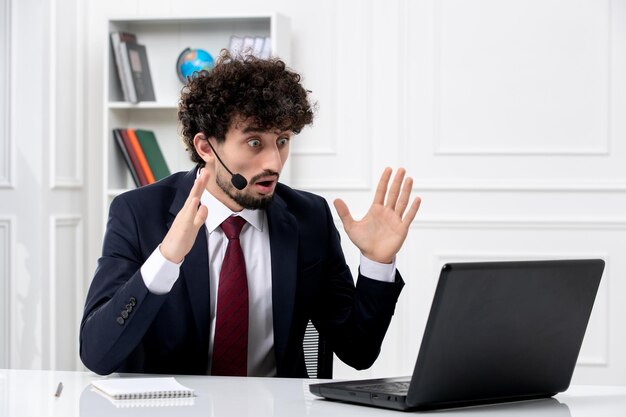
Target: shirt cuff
158, 273
377, 271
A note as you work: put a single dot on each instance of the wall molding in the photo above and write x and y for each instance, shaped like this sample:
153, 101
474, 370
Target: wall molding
458, 151
602, 149
75, 179
320, 151
546, 223
331, 65
522, 186
7, 243
335, 72
348, 185
444, 257
403, 85
7, 158
75, 223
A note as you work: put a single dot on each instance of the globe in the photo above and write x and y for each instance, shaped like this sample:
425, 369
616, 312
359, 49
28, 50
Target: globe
193, 60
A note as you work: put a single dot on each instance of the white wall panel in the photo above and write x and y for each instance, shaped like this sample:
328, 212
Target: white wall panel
65, 291
489, 72
323, 86
343, 139
66, 78
6, 149
517, 95
44, 150
6, 265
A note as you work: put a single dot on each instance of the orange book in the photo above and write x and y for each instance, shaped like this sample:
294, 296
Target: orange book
141, 156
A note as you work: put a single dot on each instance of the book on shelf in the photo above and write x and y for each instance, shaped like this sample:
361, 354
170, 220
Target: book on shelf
123, 144
133, 68
248, 45
141, 79
143, 162
236, 45
142, 154
258, 46
122, 63
152, 151
266, 52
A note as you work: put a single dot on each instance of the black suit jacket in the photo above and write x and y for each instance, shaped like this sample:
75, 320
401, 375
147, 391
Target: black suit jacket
170, 333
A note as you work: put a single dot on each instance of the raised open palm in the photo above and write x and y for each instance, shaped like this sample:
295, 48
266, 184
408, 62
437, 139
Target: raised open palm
379, 235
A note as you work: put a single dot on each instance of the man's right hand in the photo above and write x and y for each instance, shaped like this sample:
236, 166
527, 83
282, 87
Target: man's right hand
182, 235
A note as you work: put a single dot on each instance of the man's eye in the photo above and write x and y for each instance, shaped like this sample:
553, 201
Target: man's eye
253, 143
282, 141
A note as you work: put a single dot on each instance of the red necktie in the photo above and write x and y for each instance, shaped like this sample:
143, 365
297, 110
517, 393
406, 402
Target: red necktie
230, 346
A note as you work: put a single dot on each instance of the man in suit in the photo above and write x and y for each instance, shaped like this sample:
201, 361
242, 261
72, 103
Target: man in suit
154, 303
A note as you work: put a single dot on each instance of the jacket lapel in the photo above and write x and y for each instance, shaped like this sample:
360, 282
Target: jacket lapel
284, 236
194, 269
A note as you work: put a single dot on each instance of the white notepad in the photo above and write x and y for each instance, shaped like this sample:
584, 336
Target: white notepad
142, 388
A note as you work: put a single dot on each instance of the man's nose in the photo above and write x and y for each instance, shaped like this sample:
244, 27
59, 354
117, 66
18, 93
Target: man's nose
272, 159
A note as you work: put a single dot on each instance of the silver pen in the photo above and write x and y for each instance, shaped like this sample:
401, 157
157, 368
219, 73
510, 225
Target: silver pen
59, 390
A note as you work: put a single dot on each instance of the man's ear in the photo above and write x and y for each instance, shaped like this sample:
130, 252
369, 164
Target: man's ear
200, 142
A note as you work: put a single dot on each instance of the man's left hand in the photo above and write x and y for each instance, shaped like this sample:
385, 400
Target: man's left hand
380, 234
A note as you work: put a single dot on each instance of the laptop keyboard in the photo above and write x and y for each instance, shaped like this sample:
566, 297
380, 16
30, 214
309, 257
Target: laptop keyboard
400, 388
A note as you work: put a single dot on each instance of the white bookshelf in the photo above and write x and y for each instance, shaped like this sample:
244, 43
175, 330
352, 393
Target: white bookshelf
164, 39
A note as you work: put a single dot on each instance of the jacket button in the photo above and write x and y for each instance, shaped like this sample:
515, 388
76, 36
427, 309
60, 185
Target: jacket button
132, 301
120, 321
124, 314
129, 308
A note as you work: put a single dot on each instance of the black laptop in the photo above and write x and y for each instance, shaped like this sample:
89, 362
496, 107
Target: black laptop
497, 332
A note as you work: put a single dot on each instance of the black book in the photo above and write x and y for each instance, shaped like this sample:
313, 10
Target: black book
127, 158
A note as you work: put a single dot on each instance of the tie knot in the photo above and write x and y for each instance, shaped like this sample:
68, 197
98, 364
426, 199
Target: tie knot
232, 226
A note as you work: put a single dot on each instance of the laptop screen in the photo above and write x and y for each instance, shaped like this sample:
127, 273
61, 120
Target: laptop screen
499, 330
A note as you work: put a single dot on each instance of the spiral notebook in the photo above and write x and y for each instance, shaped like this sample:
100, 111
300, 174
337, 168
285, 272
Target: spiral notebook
142, 388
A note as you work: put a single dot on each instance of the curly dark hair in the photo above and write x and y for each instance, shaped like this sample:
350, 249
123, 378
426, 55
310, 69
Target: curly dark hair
242, 88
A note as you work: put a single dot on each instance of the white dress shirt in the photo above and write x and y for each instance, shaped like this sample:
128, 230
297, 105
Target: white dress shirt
159, 275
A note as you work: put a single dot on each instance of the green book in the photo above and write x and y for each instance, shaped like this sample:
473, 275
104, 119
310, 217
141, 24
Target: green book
153, 153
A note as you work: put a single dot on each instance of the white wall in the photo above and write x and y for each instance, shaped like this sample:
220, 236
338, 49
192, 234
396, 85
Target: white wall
506, 114
42, 208
5, 181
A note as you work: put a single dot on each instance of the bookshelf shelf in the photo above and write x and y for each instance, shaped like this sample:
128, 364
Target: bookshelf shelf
145, 105
164, 39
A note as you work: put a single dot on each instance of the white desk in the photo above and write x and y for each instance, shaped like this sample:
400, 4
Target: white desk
31, 394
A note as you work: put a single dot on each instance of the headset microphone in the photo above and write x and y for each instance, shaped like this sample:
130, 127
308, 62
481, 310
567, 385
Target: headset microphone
238, 181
